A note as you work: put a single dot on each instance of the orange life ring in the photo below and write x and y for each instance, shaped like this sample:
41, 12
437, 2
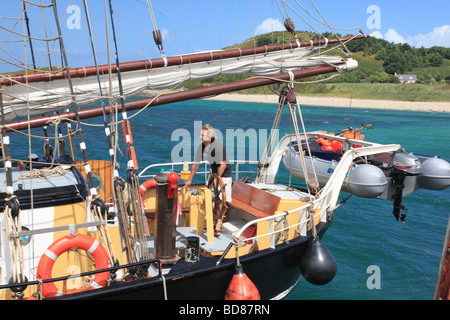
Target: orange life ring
78, 241
151, 183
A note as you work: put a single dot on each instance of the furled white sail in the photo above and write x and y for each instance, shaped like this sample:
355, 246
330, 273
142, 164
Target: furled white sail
46, 97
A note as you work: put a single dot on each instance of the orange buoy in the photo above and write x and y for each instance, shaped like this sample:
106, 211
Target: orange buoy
78, 241
241, 287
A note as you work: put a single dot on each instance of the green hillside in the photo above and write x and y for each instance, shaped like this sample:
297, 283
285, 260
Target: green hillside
375, 78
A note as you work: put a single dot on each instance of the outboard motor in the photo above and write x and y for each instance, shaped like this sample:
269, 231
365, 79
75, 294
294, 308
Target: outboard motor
402, 165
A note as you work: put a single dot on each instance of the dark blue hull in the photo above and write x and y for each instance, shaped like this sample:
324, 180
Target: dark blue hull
275, 272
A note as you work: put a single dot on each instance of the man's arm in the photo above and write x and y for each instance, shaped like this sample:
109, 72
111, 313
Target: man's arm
221, 169
193, 172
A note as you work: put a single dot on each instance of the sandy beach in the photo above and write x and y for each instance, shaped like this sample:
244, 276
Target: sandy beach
342, 102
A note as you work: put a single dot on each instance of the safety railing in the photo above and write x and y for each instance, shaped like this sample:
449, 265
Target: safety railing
307, 214
173, 166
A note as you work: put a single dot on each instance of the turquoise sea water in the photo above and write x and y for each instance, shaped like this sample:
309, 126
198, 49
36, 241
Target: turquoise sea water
364, 232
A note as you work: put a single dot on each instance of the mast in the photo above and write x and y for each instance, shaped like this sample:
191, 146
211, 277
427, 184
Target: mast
170, 61
442, 287
27, 20
184, 95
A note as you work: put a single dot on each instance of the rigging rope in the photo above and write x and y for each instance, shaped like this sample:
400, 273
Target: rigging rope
87, 169
11, 210
325, 22
107, 128
332, 30
13, 225
132, 162
286, 97
157, 37
128, 199
139, 27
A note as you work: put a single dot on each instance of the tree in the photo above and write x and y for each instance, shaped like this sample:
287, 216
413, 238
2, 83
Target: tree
381, 54
383, 77
393, 64
263, 40
447, 79
435, 59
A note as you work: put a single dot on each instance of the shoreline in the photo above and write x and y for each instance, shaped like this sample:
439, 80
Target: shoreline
341, 102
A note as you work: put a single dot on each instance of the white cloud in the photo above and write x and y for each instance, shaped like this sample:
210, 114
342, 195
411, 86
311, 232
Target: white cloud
440, 36
165, 34
393, 36
269, 25
377, 34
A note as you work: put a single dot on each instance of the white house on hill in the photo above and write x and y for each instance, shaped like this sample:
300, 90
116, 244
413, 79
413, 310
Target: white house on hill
407, 78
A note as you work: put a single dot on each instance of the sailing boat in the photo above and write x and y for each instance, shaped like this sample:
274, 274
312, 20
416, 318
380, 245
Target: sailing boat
66, 237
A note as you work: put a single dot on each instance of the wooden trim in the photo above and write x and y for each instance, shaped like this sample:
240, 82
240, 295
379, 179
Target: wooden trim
102, 169
257, 202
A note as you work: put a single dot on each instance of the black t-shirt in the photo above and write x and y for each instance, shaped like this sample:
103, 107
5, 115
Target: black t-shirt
215, 154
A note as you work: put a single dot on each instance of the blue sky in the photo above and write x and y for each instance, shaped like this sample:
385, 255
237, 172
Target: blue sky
199, 25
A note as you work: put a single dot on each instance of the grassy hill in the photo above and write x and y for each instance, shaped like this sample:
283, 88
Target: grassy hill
374, 79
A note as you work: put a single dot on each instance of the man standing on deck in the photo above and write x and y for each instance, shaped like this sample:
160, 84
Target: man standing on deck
214, 152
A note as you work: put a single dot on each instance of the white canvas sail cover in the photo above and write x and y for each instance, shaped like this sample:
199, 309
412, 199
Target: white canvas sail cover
48, 97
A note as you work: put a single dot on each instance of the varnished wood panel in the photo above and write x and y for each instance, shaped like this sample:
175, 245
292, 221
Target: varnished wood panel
103, 170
